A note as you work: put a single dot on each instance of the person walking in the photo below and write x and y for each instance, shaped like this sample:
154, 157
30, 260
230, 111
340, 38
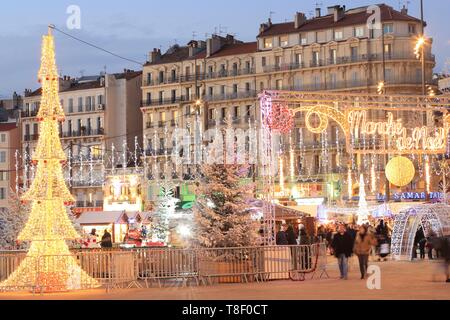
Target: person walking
342, 247
106, 242
281, 238
445, 251
422, 245
290, 236
364, 242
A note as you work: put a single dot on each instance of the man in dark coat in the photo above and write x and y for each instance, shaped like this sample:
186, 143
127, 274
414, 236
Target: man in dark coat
342, 246
445, 250
282, 237
106, 240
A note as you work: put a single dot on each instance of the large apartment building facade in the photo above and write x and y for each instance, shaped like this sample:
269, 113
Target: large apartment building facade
101, 112
217, 81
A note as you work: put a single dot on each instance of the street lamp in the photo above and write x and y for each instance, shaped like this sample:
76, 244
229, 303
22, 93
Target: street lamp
419, 45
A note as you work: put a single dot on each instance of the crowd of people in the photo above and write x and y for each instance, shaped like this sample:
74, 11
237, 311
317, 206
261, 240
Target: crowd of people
343, 241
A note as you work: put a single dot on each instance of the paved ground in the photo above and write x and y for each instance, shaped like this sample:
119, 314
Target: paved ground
400, 280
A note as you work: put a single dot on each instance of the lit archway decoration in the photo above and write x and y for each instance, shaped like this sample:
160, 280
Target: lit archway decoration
434, 219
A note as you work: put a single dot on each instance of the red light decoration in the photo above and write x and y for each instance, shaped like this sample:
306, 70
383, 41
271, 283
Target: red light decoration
280, 118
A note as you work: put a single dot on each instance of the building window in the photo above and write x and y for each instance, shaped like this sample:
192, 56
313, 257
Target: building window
222, 90
263, 61
235, 88
236, 112
338, 34
316, 59
303, 40
2, 193
161, 76
211, 114
355, 79
316, 80
161, 97
359, 32
174, 95
224, 113
149, 78
35, 128
333, 81
333, 56
149, 99
354, 53
3, 175
3, 138
388, 28
247, 86
388, 50
162, 116
298, 59
412, 29
211, 91
279, 84
100, 99
268, 43
278, 61
70, 105
2, 156
284, 41
80, 104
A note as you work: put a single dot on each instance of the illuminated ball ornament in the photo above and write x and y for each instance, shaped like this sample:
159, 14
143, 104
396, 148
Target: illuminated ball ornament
400, 171
280, 118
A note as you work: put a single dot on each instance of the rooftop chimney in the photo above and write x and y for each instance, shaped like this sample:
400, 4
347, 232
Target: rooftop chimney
155, 55
318, 13
338, 12
300, 19
404, 10
265, 26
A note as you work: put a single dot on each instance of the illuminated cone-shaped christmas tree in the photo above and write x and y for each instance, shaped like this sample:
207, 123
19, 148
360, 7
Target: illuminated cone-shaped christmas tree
49, 265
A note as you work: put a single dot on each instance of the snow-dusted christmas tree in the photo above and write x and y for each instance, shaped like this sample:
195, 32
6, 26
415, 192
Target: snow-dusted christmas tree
222, 216
363, 210
12, 221
166, 207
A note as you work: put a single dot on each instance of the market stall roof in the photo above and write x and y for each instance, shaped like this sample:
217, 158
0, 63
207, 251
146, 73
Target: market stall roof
105, 217
285, 213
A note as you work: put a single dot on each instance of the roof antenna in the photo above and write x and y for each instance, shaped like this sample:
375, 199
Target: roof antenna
194, 35
271, 13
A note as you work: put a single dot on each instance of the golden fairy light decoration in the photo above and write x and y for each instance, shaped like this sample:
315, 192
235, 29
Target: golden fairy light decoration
292, 163
281, 174
49, 266
427, 175
373, 178
420, 42
400, 171
349, 184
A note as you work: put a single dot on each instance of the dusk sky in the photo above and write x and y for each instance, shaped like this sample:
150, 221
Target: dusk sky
132, 28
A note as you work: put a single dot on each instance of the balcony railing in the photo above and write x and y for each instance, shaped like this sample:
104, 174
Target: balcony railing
345, 60
168, 101
200, 77
231, 96
31, 137
29, 113
83, 133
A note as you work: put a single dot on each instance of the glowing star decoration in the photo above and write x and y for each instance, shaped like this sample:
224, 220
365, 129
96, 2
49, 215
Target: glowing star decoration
363, 210
280, 118
400, 171
49, 266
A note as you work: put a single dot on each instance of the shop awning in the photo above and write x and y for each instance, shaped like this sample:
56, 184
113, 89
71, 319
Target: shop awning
93, 218
286, 213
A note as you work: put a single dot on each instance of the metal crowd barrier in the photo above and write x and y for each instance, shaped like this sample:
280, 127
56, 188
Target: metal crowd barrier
124, 269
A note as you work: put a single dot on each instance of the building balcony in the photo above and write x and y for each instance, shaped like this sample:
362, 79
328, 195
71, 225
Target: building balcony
31, 137
29, 113
162, 102
364, 58
231, 96
83, 133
